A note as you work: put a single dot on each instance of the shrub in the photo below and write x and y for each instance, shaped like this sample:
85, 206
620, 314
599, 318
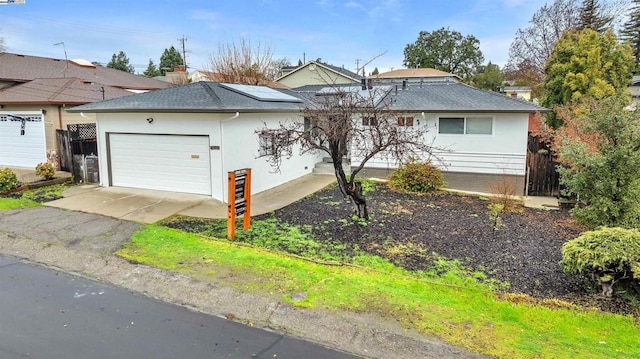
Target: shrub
8, 180
607, 255
417, 176
504, 193
45, 170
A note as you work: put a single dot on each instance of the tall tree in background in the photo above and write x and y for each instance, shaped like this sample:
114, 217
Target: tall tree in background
243, 64
445, 50
592, 17
631, 33
534, 44
586, 63
121, 62
169, 60
2, 47
152, 70
489, 77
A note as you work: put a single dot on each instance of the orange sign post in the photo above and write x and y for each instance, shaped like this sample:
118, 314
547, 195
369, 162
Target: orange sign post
239, 202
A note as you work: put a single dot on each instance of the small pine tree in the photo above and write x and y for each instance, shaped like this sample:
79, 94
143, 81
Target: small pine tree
375, 71
121, 62
152, 70
169, 60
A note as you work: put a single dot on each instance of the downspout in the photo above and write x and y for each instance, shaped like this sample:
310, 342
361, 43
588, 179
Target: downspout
60, 117
222, 149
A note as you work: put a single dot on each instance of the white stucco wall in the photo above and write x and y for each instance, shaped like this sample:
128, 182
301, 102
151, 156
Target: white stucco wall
233, 140
502, 152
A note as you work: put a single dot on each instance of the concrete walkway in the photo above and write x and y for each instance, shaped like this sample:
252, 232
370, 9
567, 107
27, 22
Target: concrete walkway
149, 206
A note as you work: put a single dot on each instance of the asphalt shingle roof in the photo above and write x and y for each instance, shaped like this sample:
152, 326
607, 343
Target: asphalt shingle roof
23, 68
200, 96
63, 91
215, 97
457, 97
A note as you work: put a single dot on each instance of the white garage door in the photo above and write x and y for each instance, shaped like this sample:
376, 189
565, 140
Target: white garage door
22, 141
161, 162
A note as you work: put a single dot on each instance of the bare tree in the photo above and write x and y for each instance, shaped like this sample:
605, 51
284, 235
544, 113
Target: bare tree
2, 47
341, 121
243, 64
534, 44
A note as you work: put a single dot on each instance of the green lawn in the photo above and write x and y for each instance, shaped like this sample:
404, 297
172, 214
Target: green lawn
11, 203
452, 306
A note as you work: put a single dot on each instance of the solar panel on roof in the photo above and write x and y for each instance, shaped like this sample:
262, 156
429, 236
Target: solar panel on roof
261, 93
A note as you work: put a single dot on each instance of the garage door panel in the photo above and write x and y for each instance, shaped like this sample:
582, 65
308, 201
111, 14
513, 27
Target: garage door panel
22, 149
161, 162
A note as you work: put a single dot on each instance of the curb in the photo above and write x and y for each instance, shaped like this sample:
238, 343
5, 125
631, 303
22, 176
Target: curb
354, 333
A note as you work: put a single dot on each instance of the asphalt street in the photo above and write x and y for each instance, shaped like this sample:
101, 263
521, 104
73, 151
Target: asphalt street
45, 313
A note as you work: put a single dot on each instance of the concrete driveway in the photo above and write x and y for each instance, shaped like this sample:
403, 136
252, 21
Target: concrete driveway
149, 206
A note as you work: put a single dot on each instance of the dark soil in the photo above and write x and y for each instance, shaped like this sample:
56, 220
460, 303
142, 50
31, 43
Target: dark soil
410, 230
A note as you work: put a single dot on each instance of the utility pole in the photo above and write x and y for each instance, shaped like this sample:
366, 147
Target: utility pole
184, 51
357, 66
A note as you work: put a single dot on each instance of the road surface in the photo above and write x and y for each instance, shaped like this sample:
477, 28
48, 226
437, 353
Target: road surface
49, 314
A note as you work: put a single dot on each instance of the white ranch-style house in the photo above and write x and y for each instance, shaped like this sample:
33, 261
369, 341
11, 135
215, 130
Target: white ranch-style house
186, 139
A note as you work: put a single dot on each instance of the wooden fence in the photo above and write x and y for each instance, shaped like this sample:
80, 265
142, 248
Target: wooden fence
542, 175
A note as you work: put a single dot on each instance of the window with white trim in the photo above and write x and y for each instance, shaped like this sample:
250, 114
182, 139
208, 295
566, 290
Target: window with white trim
465, 125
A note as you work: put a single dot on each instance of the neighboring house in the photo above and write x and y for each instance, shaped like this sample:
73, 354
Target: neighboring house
318, 73
521, 92
415, 75
186, 139
202, 75
34, 93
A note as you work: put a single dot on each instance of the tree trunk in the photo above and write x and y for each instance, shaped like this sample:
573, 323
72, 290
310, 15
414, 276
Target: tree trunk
350, 188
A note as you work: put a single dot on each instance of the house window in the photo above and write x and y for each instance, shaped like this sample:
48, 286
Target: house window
369, 121
405, 121
451, 125
266, 140
466, 125
479, 126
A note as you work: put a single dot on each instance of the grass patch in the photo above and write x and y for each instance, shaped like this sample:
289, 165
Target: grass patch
15, 203
454, 308
46, 193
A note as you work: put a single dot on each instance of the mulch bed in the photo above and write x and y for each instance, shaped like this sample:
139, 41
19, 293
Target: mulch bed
410, 230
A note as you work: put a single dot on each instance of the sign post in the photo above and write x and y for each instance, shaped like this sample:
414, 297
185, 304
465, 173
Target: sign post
239, 202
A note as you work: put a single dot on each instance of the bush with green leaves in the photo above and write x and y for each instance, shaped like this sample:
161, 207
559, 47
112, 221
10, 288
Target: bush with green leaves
416, 176
607, 255
598, 148
8, 180
45, 170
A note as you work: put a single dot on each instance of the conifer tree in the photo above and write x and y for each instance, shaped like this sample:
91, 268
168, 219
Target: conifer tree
592, 17
631, 33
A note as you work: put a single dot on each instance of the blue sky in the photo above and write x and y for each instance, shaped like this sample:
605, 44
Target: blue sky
337, 31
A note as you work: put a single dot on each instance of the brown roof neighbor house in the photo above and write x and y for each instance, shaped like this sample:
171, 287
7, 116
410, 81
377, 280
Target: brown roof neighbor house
35, 93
